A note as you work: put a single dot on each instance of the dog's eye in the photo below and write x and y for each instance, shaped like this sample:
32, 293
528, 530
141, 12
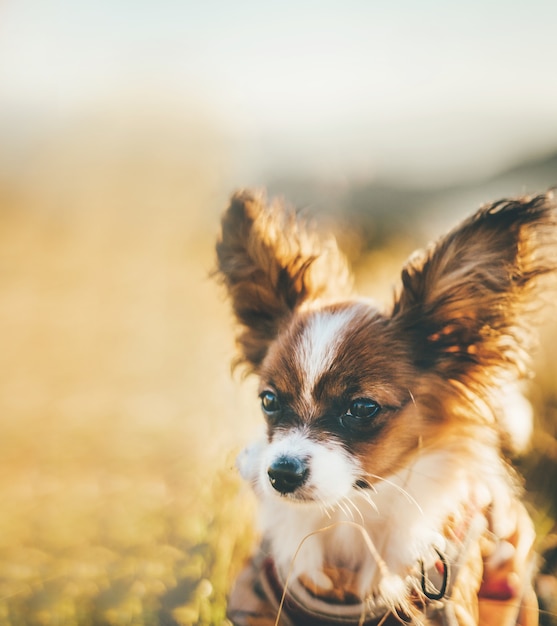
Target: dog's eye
360, 412
364, 408
269, 402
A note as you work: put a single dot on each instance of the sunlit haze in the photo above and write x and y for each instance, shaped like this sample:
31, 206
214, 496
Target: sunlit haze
358, 88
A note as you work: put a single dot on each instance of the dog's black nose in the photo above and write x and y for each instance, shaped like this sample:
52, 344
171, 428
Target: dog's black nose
287, 474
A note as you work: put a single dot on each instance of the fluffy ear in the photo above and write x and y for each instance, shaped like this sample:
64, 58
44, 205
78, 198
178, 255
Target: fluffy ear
271, 264
466, 303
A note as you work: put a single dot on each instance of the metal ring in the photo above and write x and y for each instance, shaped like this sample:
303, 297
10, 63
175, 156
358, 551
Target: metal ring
437, 595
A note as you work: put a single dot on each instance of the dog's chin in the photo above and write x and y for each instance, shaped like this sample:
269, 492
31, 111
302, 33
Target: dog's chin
296, 499
312, 496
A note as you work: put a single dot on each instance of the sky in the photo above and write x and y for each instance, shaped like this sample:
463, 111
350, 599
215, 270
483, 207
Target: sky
348, 87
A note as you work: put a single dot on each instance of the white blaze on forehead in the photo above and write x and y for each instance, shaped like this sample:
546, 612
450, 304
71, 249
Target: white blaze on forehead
319, 343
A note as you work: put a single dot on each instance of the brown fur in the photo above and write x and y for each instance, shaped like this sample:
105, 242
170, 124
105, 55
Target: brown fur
465, 302
270, 265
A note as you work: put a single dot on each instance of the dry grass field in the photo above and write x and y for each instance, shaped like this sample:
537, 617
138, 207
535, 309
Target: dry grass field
118, 496
119, 418
117, 482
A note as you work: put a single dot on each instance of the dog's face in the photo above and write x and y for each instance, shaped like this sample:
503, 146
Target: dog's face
335, 390
351, 394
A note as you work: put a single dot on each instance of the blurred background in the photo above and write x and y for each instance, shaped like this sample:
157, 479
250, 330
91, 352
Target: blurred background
124, 127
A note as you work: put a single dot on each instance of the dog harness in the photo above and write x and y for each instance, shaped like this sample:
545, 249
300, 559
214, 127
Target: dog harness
261, 593
433, 598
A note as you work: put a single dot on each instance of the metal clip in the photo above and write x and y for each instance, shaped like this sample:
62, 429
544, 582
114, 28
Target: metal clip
436, 595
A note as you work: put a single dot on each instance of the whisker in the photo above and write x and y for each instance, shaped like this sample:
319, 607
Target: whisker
369, 501
403, 491
355, 507
344, 509
330, 507
434, 479
349, 504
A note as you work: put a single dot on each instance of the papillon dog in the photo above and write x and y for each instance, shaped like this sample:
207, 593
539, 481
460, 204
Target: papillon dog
383, 481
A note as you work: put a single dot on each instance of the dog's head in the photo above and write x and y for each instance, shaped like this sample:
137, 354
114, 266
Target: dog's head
351, 393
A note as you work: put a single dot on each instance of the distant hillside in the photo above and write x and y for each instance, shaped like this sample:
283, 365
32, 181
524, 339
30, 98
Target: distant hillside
379, 210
